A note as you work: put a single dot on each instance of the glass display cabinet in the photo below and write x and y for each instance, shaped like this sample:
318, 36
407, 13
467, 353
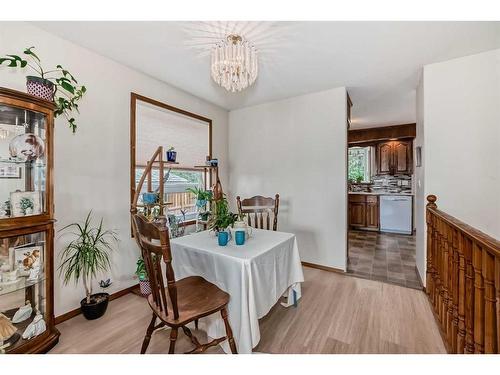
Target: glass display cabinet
26, 224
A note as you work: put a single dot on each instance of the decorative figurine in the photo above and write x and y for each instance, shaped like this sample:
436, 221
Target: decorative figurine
23, 313
33, 276
36, 327
7, 329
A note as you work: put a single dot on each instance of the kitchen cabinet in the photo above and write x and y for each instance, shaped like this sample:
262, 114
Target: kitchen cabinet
372, 212
394, 157
364, 211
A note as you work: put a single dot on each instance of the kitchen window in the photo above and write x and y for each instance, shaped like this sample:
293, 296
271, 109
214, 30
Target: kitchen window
359, 164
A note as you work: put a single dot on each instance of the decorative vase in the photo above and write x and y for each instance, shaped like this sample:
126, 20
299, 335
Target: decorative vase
145, 287
171, 156
40, 87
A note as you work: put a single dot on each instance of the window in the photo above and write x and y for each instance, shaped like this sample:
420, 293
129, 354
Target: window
155, 124
359, 164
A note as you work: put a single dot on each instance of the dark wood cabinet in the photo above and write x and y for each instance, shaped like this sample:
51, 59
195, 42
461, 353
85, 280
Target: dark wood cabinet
364, 211
384, 158
372, 213
357, 214
402, 157
394, 157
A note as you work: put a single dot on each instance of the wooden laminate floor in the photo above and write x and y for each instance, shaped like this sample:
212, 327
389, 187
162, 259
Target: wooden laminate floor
337, 314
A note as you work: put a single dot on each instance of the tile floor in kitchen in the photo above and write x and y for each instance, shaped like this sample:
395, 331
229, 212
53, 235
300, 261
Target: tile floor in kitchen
384, 257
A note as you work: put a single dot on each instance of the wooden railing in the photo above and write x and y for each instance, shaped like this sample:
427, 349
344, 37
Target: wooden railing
463, 282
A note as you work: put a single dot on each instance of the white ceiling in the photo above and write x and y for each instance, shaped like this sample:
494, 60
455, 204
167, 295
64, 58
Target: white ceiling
378, 62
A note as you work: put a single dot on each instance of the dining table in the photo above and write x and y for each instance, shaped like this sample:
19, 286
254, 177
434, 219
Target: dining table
256, 275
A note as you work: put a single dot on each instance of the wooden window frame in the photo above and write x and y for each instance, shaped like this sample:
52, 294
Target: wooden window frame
134, 98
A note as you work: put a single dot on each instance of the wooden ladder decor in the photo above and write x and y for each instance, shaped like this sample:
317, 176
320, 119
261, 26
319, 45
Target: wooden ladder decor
463, 282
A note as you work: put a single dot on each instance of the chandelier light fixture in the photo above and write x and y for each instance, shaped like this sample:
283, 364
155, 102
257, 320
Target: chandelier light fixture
234, 63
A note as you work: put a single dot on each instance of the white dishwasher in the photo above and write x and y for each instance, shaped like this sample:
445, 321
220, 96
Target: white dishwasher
396, 214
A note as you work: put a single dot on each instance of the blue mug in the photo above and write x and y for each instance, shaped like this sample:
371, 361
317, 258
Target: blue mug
239, 237
223, 238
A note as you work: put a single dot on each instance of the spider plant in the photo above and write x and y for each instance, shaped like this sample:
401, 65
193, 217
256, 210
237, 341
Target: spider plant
68, 91
87, 254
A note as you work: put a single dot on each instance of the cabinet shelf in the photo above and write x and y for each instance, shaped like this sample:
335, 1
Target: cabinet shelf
21, 283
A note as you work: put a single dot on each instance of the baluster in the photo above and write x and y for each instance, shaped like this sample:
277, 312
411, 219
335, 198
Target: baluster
442, 277
469, 297
430, 257
478, 299
452, 334
437, 256
490, 323
454, 288
461, 296
261, 220
497, 288
446, 278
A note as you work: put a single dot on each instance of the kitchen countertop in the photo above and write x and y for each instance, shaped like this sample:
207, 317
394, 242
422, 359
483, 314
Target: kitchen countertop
378, 193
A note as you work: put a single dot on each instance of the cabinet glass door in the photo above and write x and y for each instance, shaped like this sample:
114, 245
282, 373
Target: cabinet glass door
23, 313
22, 162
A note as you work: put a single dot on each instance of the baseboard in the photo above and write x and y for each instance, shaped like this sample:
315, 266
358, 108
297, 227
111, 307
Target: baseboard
324, 268
419, 278
71, 314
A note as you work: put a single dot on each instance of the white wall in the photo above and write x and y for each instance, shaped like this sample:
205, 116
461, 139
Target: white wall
462, 138
461, 124
92, 167
297, 148
419, 181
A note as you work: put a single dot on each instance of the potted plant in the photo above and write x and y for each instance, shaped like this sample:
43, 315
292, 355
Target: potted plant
171, 154
221, 219
202, 196
83, 258
57, 85
142, 274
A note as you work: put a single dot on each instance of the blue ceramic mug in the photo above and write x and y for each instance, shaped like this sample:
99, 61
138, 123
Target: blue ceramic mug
223, 238
239, 237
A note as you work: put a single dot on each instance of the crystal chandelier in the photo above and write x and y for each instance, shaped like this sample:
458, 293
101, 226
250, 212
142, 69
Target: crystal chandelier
234, 63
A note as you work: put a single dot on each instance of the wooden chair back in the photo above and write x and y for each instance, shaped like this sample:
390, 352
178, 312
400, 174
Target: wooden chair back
261, 208
153, 252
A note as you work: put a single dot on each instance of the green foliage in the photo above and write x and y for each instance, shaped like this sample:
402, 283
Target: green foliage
87, 254
25, 204
65, 83
356, 165
141, 271
201, 194
221, 217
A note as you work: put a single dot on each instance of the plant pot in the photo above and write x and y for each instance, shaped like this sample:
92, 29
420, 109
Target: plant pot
97, 306
145, 287
150, 198
40, 87
200, 203
171, 156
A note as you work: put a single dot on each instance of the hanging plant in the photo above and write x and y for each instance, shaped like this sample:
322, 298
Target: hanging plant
57, 85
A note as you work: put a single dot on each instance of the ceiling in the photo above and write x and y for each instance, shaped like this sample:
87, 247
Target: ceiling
379, 62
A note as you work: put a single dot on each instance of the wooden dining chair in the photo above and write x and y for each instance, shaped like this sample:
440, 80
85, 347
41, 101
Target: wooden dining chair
189, 299
260, 207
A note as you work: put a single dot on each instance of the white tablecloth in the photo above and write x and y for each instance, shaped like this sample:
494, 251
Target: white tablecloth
255, 275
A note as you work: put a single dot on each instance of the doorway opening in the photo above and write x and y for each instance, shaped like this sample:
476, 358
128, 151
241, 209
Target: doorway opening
380, 179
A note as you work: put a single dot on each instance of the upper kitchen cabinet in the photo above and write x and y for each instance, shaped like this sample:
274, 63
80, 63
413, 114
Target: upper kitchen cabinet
384, 158
402, 153
394, 157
